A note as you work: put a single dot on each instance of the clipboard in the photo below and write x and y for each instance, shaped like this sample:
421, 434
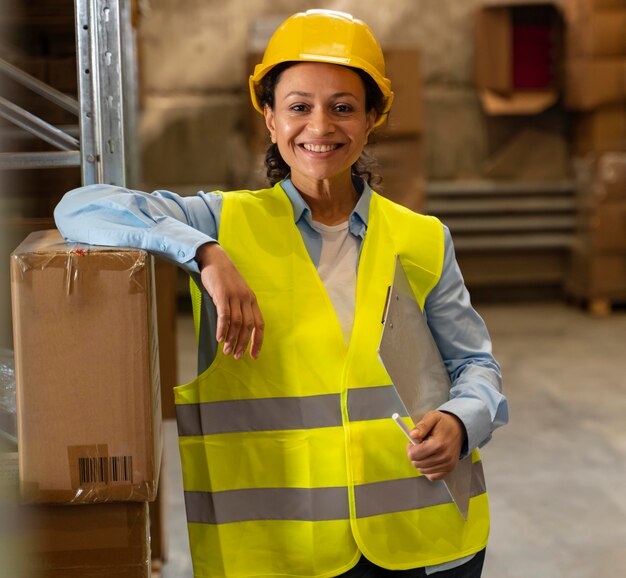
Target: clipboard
410, 356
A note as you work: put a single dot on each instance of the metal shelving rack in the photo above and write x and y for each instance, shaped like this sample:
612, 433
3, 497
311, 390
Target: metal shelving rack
106, 109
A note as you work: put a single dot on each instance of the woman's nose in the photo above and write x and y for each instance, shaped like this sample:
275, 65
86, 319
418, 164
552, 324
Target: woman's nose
321, 122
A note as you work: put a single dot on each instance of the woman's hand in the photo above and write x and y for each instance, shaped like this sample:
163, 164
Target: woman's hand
239, 319
440, 436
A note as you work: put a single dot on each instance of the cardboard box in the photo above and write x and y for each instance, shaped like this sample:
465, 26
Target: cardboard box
594, 275
86, 361
403, 67
166, 277
593, 82
590, 6
88, 541
611, 177
598, 34
400, 163
607, 227
158, 521
601, 179
600, 130
531, 155
517, 51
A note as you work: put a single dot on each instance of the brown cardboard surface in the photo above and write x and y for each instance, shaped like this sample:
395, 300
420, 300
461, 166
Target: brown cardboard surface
601, 179
594, 274
86, 359
493, 58
589, 6
166, 276
400, 162
517, 103
531, 155
590, 83
596, 34
158, 521
611, 176
403, 67
87, 541
607, 227
600, 130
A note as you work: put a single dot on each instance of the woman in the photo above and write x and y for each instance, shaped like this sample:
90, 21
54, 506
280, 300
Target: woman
291, 464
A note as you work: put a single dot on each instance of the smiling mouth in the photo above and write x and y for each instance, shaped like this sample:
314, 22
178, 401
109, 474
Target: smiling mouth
320, 148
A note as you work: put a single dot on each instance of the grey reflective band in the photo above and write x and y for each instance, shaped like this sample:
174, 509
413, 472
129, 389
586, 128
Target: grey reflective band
409, 494
308, 504
286, 413
264, 414
317, 504
374, 403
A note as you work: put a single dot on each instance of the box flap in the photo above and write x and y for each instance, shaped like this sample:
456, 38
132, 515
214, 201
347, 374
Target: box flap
517, 103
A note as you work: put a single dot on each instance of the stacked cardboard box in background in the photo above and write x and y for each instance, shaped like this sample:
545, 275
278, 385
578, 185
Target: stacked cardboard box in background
397, 146
596, 96
518, 51
87, 541
596, 74
88, 404
598, 265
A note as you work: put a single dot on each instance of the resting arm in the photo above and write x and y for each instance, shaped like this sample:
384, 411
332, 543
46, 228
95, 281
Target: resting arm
180, 229
164, 223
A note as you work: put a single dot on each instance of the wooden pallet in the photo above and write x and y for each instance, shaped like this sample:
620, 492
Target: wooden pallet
599, 306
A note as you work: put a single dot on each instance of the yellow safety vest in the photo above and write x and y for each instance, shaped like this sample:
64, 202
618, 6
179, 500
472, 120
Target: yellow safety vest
291, 463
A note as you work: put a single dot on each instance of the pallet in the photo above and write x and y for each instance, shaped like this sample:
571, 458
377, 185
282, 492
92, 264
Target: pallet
598, 306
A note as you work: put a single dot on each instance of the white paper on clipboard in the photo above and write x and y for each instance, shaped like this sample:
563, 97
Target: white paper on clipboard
408, 352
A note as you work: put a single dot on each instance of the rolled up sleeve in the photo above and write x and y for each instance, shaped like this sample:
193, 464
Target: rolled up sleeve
164, 223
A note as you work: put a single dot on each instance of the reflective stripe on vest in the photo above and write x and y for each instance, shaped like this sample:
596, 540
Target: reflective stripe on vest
315, 504
286, 413
290, 463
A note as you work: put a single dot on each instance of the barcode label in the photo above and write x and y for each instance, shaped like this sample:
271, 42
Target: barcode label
105, 470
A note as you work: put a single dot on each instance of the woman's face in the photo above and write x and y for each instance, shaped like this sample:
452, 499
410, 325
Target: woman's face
319, 121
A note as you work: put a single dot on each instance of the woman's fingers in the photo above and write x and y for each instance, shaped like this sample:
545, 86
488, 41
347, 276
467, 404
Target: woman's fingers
257, 333
246, 327
238, 316
442, 436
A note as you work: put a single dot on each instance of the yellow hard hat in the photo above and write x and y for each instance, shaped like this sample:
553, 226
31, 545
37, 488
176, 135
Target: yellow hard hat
325, 36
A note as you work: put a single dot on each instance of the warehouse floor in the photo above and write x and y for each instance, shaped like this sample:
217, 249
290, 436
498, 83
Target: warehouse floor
555, 474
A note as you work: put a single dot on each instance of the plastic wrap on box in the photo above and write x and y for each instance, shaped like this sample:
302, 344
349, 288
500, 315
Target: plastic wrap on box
7, 398
88, 541
601, 178
86, 359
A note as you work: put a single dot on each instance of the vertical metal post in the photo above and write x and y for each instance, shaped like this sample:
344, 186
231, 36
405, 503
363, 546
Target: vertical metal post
99, 29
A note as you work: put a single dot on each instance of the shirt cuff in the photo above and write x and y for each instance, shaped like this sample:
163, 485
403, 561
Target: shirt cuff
476, 419
177, 242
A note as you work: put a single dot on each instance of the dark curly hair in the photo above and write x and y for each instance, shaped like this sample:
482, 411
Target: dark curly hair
276, 168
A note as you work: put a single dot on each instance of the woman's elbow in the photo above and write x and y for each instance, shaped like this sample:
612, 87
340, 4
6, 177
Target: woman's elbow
68, 211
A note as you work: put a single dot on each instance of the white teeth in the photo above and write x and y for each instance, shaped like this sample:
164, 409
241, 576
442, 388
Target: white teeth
320, 148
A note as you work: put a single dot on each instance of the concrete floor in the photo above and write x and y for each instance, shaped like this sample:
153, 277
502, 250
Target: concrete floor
556, 474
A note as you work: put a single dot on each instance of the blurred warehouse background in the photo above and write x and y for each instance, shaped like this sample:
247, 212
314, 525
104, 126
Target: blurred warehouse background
509, 124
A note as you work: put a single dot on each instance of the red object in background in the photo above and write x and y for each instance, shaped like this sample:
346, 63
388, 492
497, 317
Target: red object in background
532, 56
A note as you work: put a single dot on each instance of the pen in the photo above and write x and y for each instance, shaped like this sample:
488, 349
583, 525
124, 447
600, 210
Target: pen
405, 428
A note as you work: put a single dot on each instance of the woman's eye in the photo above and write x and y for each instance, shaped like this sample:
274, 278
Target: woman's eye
343, 108
297, 107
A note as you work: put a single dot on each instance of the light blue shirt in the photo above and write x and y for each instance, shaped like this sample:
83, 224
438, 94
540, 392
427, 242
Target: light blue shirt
173, 227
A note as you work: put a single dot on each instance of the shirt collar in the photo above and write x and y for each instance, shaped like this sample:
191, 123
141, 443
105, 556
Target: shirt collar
358, 218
